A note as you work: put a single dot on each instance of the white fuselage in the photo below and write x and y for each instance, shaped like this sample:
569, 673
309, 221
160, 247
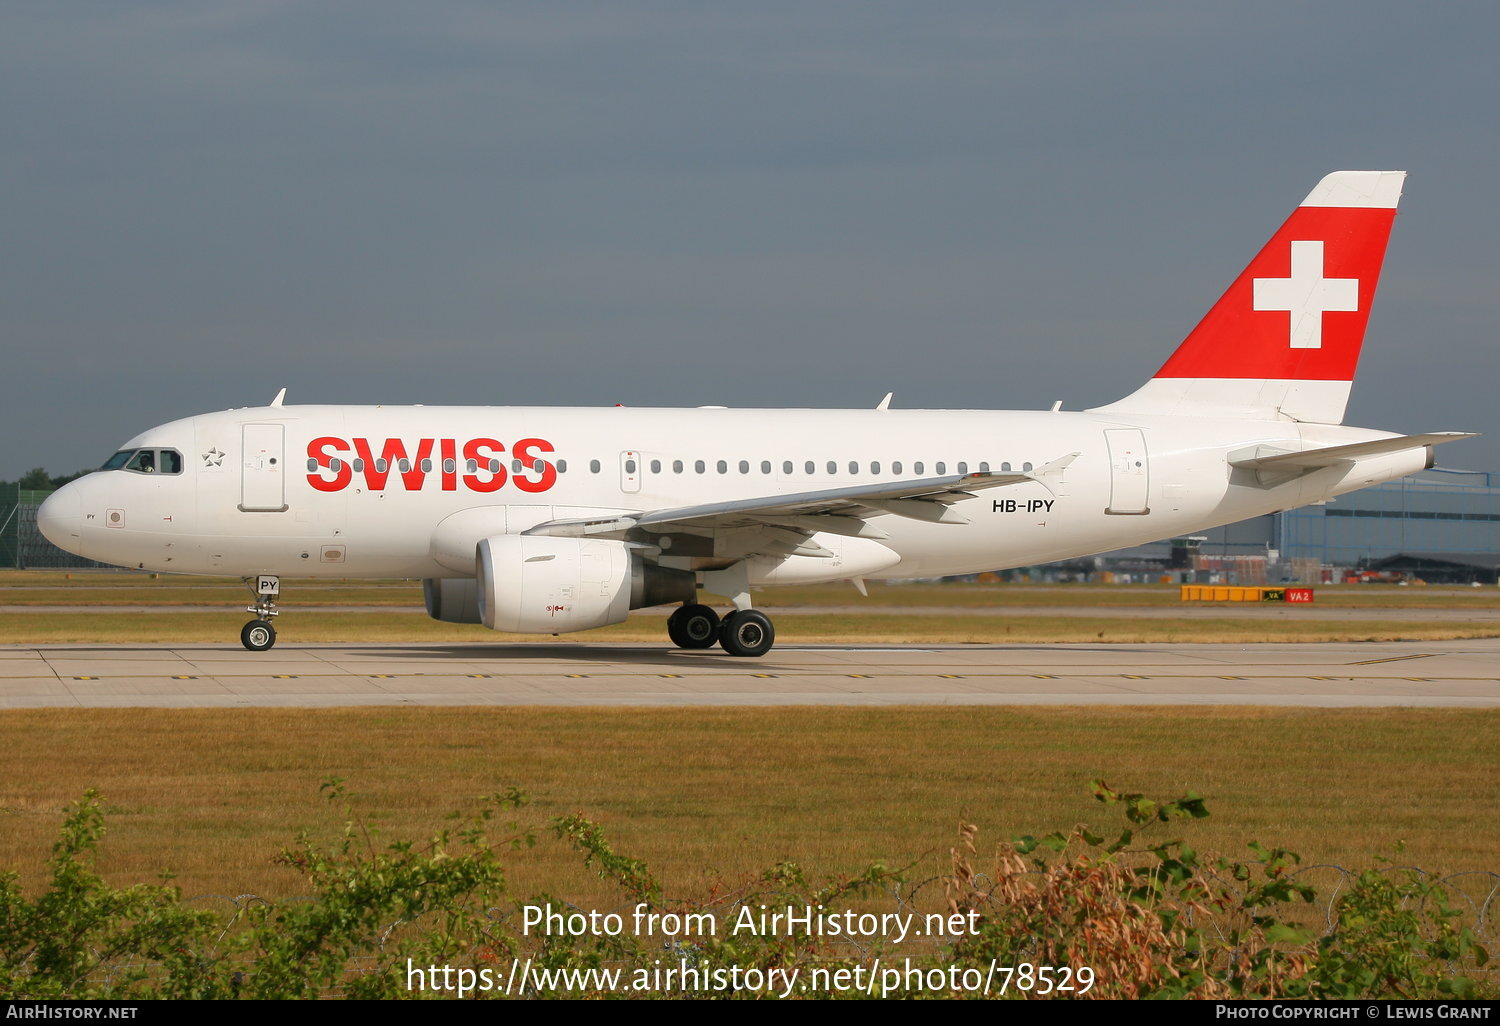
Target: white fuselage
290, 491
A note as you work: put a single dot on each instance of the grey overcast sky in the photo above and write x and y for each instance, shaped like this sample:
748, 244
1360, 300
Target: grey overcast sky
764, 204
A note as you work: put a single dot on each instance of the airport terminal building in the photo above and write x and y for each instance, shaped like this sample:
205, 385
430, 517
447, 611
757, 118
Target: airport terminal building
1440, 526
1434, 521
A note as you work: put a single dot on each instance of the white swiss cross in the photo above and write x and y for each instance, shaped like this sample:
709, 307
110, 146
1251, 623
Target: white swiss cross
1306, 295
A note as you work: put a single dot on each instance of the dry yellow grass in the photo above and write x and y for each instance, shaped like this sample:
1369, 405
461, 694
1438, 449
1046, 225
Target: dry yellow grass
925, 614
312, 626
719, 794
36, 587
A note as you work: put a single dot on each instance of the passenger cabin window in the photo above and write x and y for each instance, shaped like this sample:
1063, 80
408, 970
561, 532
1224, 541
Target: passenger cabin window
916, 468
562, 466
656, 466
676, 466
744, 466
765, 466
723, 467
941, 467
593, 466
786, 466
874, 466
895, 466
699, 466
833, 468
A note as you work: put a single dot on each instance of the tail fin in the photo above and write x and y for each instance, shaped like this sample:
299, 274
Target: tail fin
1283, 341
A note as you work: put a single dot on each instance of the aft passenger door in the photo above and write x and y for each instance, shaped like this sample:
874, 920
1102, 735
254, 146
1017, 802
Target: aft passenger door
1129, 472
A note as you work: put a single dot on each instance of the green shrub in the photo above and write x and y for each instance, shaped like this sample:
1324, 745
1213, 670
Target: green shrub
1163, 921
1116, 917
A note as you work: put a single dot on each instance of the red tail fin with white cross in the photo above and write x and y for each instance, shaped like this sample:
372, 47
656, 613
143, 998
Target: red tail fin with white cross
1284, 340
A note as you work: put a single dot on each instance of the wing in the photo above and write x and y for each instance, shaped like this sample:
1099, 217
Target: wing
842, 511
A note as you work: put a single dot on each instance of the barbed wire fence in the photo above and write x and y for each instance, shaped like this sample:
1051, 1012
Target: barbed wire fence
22, 546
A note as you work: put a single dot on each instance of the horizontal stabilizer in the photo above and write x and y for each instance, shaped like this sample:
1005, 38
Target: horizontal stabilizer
1328, 456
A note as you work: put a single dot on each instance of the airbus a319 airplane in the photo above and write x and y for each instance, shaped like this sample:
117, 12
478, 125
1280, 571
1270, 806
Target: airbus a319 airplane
550, 521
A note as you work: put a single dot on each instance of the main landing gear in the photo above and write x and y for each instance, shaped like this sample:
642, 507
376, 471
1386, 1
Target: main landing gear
747, 632
744, 632
258, 635
693, 626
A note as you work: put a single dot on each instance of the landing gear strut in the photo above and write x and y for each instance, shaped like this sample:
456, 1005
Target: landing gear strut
258, 635
744, 632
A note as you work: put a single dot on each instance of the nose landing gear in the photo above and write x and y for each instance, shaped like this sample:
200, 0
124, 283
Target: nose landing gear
258, 635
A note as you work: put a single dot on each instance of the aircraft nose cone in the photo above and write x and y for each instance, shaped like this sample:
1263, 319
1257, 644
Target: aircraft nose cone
59, 519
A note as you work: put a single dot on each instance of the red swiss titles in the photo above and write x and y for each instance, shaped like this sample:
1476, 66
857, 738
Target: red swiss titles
479, 464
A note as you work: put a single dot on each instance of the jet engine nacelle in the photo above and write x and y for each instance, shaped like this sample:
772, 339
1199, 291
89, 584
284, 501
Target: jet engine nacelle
534, 584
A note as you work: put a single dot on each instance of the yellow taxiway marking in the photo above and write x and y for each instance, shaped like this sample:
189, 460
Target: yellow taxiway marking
1392, 659
970, 675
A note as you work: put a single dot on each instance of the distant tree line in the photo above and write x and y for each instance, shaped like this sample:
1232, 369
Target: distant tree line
38, 480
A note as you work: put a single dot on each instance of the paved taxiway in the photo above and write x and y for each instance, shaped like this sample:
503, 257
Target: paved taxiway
1435, 673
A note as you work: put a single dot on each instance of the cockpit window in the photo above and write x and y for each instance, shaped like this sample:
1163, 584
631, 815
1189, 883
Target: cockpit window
146, 461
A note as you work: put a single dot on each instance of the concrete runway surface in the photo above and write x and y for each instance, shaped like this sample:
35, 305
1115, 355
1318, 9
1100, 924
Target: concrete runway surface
1427, 673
